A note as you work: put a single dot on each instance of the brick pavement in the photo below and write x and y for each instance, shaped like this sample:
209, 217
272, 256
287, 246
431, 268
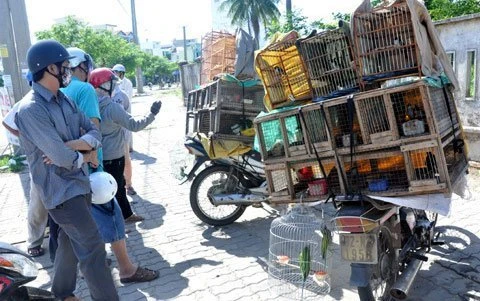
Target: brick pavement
198, 262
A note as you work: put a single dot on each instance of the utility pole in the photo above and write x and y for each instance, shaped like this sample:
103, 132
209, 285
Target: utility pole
138, 69
184, 44
15, 41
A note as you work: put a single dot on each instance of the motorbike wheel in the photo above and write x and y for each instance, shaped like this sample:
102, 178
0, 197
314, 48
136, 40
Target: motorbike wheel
385, 272
214, 180
24, 293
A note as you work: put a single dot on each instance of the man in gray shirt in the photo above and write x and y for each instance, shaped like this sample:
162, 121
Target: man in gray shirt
51, 128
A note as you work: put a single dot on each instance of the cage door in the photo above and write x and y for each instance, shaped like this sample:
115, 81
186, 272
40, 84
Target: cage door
426, 169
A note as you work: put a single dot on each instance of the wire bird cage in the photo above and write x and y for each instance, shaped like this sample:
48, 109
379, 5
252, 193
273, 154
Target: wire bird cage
218, 55
329, 60
299, 257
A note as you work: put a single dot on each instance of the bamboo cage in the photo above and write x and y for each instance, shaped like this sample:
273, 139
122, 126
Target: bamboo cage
290, 182
343, 123
285, 135
235, 95
385, 43
218, 55
283, 74
329, 59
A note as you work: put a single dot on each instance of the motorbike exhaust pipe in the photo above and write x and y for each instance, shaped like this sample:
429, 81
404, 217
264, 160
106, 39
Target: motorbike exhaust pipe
403, 284
237, 199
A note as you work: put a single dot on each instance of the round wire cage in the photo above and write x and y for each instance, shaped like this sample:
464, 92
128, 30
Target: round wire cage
299, 266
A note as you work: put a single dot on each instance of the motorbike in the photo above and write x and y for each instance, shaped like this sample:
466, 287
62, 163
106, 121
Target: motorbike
221, 191
386, 245
17, 269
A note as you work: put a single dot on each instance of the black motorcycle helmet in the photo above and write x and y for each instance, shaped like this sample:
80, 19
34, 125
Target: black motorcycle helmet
44, 53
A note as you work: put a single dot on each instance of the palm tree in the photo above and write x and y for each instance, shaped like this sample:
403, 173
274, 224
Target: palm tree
252, 13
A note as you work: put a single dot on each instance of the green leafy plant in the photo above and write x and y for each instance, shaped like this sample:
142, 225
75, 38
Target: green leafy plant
12, 163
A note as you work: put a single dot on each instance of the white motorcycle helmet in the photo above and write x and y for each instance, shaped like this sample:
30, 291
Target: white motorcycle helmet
104, 187
80, 56
119, 68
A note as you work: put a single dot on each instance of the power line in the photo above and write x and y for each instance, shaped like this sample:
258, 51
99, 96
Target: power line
123, 8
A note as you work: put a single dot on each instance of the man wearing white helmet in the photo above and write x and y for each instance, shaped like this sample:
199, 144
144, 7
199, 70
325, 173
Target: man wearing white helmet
125, 85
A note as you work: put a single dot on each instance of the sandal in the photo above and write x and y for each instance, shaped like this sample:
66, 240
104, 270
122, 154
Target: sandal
36, 251
134, 218
141, 275
131, 191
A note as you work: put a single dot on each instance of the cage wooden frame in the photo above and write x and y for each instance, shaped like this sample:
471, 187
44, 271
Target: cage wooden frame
385, 43
218, 55
336, 111
430, 101
424, 178
231, 95
221, 128
281, 69
294, 190
329, 59
298, 145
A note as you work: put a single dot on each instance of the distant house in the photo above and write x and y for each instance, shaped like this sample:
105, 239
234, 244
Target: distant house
127, 36
459, 37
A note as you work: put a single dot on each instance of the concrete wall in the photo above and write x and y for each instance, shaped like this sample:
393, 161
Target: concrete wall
459, 35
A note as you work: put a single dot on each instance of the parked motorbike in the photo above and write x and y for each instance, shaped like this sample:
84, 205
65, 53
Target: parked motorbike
220, 193
17, 269
385, 243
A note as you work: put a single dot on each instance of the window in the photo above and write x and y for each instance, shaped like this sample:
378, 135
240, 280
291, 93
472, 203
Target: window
451, 58
471, 73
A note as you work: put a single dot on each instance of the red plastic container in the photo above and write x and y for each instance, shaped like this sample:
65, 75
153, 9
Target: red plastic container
318, 187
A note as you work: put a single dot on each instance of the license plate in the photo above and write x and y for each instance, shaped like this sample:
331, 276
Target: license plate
360, 248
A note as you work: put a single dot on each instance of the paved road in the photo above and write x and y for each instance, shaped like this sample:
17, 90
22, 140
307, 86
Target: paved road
199, 262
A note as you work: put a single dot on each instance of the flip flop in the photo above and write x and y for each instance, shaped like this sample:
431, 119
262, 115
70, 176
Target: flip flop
133, 219
35, 251
141, 275
131, 191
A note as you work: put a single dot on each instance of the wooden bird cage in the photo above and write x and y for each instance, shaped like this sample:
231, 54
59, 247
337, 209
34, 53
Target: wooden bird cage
283, 74
237, 95
286, 135
218, 55
385, 43
290, 182
330, 63
343, 123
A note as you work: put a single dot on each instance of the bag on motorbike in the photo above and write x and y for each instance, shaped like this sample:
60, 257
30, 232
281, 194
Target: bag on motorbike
220, 148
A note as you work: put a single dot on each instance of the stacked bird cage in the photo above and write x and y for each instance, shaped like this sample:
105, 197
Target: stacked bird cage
283, 74
400, 136
299, 263
218, 55
302, 180
330, 62
225, 108
385, 43
293, 134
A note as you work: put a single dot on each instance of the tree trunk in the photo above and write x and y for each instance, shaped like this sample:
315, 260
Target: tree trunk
289, 13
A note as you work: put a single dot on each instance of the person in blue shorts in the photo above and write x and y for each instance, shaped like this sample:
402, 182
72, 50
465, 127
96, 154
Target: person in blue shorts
108, 216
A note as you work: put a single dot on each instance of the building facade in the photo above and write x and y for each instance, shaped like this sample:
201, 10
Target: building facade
459, 37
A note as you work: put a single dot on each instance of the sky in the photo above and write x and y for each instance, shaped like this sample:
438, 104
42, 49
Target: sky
158, 20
